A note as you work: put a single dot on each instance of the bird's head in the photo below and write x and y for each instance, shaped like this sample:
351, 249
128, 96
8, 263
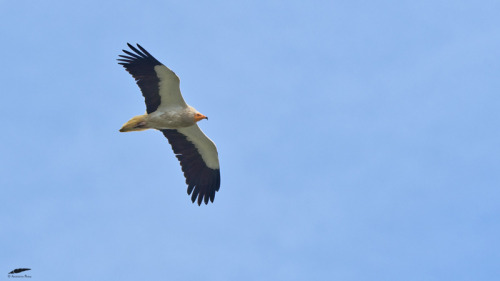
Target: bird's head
198, 116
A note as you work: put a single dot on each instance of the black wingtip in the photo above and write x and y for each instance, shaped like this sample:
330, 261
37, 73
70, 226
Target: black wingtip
201, 198
138, 55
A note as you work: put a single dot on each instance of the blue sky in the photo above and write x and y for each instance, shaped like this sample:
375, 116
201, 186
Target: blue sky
358, 140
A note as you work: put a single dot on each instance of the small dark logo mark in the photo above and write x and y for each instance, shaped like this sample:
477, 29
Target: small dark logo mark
18, 270
14, 273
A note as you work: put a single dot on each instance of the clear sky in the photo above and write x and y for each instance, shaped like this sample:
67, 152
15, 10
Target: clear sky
358, 140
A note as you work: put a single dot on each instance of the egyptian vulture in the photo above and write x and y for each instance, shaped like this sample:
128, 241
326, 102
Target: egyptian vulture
167, 112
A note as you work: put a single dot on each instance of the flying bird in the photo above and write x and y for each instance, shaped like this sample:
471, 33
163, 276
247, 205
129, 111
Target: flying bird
167, 112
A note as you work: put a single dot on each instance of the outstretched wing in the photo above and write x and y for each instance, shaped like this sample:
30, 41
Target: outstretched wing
159, 85
199, 161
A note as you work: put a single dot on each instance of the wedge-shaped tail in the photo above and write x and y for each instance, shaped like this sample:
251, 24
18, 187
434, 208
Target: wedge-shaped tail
137, 123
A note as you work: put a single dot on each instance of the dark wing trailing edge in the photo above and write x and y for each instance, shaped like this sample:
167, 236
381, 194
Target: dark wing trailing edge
141, 65
202, 181
17, 270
